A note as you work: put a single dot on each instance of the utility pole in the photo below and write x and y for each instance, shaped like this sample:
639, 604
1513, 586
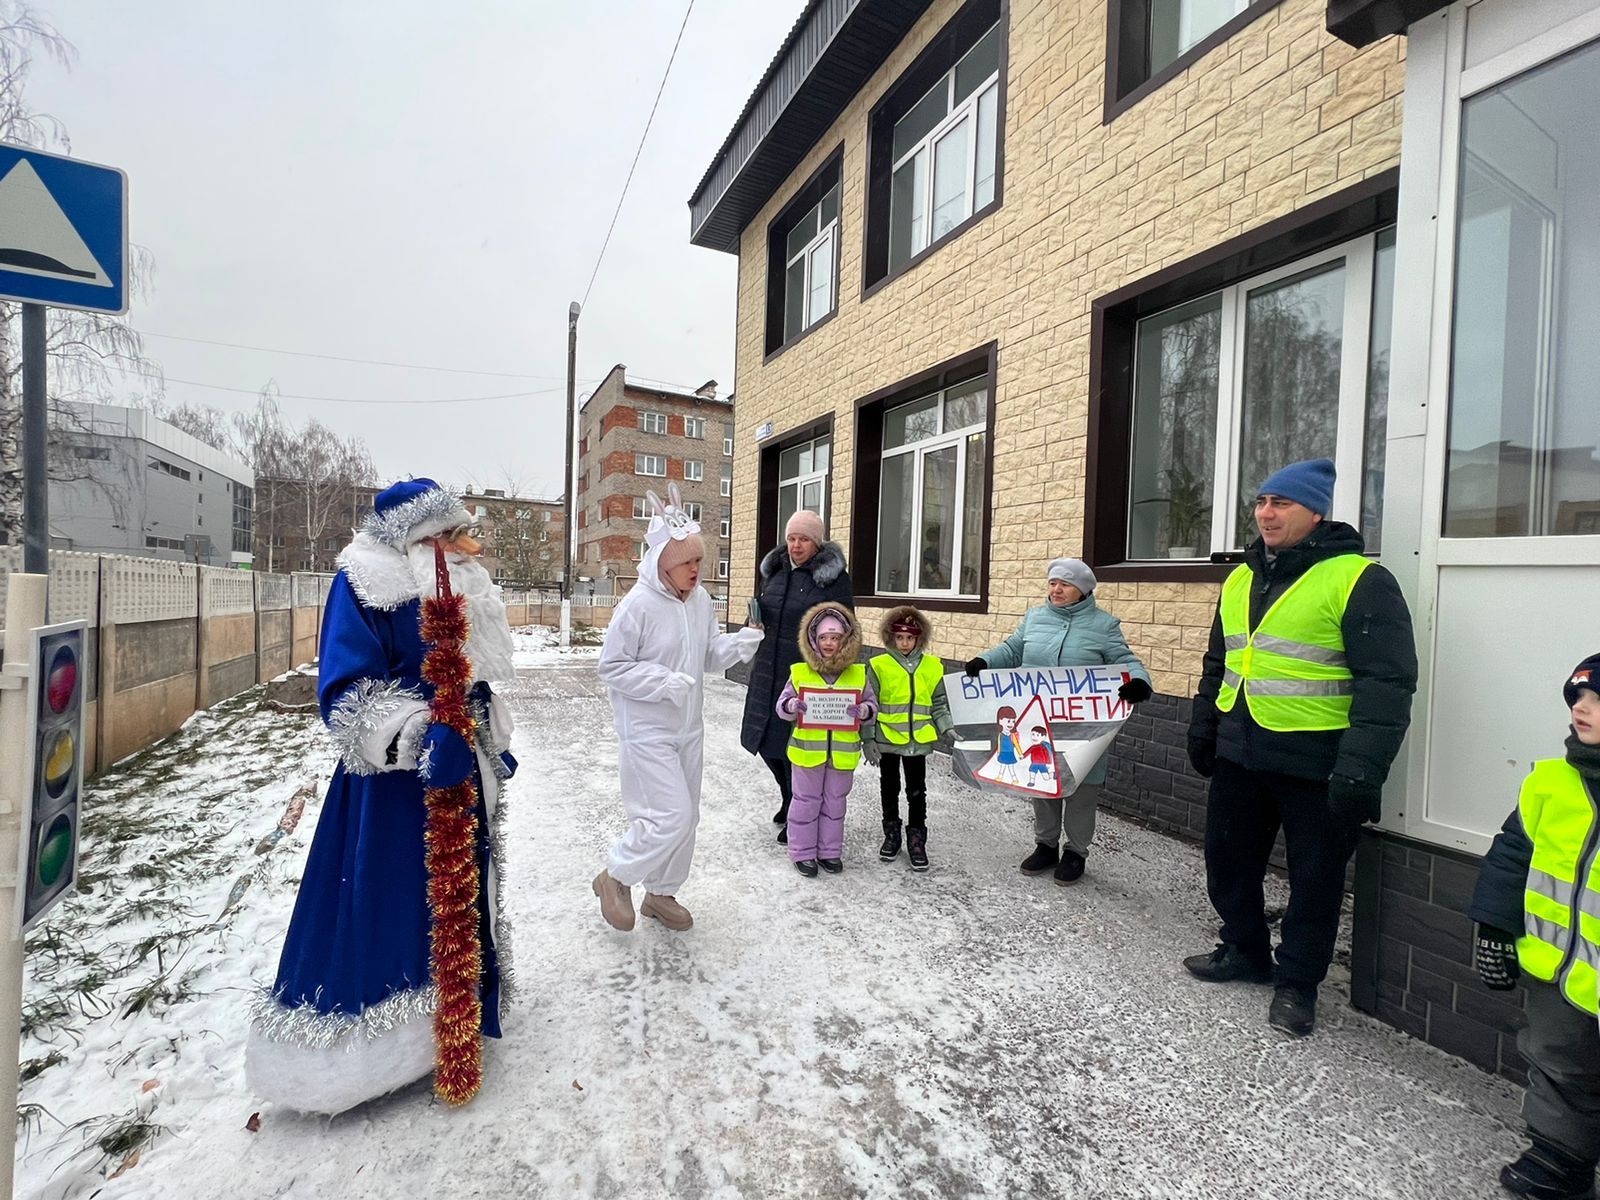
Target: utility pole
35, 445
572, 492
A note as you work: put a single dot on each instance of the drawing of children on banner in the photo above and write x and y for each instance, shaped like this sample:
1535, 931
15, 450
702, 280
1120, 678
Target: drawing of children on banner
1068, 718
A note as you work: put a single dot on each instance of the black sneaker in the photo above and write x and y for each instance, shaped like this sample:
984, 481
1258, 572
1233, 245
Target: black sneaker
1070, 869
917, 847
890, 850
831, 865
1227, 963
1547, 1172
808, 868
783, 836
1044, 858
1294, 1011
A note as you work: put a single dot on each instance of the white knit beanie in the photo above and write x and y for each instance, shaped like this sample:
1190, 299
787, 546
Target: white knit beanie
1074, 571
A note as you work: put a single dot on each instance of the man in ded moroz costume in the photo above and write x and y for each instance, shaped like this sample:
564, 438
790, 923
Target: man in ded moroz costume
663, 638
394, 961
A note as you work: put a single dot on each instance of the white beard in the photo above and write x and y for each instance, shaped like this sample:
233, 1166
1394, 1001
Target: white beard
489, 643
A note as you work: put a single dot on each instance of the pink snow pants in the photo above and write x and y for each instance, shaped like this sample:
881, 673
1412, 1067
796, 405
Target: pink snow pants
816, 814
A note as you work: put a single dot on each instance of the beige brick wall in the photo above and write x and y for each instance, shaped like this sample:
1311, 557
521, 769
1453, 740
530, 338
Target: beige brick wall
1280, 116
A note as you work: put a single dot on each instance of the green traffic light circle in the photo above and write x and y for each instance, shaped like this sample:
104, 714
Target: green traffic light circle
55, 851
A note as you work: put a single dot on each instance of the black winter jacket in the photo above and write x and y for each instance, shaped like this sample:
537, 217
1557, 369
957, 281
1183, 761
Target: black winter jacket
787, 594
1379, 648
1498, 900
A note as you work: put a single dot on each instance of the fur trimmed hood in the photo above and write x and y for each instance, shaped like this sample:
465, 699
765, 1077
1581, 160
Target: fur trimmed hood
826, 565
848, 653
900, 612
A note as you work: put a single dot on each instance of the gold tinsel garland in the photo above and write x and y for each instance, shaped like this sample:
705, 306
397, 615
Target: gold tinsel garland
456, 956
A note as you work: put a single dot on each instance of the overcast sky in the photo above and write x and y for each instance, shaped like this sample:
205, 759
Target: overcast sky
421, 183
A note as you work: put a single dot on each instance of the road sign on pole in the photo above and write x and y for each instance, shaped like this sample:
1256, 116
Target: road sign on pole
63, 231
47, 866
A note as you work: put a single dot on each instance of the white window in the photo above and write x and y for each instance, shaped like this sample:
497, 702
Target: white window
694, 510
935, 463
694, 427
694, 470
727, 444
727, 479
803, 479
547, 516
726, 529
722, 568
652, 422
810, 249
641, 509
640, 549
650, 464
944, 153
1289, 365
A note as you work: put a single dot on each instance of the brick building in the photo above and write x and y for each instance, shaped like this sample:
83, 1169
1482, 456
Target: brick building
297, 533
1020, 280
636, 436
522, 537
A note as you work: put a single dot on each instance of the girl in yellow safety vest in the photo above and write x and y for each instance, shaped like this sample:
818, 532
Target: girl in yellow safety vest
823, 755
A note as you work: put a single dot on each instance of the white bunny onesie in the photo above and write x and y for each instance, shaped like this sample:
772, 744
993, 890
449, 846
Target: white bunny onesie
657, 650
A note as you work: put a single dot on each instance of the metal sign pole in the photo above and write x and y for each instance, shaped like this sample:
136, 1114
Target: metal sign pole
572, 497
35, 448
25, 609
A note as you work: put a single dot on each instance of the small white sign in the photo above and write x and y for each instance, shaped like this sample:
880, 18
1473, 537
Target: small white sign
763, 431
829, 709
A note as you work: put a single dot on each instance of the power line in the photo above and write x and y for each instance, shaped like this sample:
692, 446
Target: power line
217, 387
375, 362
670, 59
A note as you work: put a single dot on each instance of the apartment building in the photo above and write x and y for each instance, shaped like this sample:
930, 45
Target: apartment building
637, 436
1019, 280
523, 538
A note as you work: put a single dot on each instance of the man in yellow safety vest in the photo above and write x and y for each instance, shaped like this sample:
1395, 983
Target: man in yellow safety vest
1304, 700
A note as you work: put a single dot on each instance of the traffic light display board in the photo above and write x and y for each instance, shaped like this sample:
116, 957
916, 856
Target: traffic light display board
48, 866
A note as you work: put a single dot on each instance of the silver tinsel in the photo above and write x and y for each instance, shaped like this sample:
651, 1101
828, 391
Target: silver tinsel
365, 705
497, 850
439, 507
305, 1026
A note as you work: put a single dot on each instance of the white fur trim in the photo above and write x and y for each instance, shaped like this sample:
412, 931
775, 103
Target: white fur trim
368, 718
332, 1078
380, 575
433, 512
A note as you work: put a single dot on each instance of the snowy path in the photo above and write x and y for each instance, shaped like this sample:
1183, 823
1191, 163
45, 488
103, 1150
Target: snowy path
969, 1032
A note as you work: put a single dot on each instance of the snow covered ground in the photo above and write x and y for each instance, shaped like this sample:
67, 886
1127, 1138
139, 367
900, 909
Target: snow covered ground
969, 1032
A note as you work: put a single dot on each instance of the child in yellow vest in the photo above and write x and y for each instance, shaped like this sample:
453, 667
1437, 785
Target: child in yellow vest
913, 713
823, 761
1540, 874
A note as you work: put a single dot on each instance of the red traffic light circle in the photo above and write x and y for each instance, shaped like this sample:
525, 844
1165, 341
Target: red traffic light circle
61, 681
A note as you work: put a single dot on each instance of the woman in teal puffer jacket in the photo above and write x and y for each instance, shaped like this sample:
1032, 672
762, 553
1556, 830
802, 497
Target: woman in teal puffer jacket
1069, 631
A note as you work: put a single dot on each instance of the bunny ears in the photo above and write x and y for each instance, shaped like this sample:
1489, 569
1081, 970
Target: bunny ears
669, 521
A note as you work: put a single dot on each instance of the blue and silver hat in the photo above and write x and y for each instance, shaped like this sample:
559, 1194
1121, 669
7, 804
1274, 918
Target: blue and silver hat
414, 509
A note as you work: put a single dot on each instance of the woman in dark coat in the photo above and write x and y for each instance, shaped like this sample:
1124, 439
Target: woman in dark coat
803, 572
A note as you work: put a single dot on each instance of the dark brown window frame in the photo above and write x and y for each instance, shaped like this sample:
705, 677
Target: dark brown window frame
959, 34
1363, 208
1127, 51
866, 474
768, 478
816, 186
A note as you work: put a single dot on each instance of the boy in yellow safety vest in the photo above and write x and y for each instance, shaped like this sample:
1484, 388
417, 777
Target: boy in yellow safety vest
823, 759
913, 713
1537, 893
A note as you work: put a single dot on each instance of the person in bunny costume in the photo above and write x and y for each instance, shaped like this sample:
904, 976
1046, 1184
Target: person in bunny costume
663, 638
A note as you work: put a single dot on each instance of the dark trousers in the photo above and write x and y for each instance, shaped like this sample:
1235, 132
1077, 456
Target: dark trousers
916, 769
1562, 1046
1243, 815
780, 771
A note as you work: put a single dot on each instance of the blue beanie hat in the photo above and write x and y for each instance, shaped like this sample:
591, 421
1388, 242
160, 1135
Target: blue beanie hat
1309, 483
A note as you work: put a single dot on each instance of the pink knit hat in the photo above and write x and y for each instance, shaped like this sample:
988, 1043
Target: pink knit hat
681, 550
807, 524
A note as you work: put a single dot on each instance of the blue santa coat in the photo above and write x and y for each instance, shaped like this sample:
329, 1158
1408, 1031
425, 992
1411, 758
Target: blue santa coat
359, 934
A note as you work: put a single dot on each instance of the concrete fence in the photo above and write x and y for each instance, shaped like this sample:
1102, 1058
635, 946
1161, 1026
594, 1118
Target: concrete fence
169, 638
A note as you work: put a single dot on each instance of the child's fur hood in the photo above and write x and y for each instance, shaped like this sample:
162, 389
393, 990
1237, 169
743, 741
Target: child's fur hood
849, 652
900, 612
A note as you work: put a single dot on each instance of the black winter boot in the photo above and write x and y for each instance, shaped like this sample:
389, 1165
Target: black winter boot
1547, 1172
783, 836
808, 868
917, 847
1293, 1010
831, 865
781, 817
1044, 858
890, 850
1070, 869
1227, 963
